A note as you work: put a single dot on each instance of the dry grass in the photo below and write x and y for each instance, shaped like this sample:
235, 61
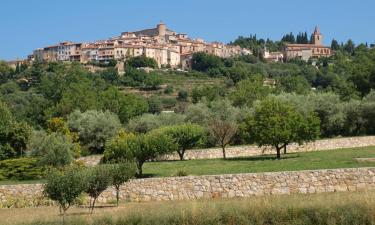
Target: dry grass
196, 212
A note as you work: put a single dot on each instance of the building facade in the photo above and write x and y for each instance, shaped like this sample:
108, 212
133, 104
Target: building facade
308, 51
166, 46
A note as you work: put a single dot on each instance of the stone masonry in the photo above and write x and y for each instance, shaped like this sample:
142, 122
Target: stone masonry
224, 186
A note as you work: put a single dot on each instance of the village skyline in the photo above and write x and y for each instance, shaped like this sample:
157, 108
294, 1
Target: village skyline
44, 24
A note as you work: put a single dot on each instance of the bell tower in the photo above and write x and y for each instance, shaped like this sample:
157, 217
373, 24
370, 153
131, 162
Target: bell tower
318, 37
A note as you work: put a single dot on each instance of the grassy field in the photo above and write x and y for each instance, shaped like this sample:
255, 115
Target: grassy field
317, 209
341, 158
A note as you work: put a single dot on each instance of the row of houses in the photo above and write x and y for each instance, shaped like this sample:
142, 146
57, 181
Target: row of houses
167, 47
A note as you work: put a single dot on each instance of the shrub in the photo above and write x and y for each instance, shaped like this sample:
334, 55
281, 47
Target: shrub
21, 169
182, 96
53, 149
168, 90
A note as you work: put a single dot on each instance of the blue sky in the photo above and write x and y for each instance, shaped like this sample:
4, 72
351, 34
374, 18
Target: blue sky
29, 24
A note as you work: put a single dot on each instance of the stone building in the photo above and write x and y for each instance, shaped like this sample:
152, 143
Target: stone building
306, 51
166, 46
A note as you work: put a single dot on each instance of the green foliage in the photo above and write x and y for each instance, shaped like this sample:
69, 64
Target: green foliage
182, 95
296, 84
209, 93
65, 187
5, 72
248, 91
186, 136
141, 79
125, 106
13, 135
55, 149
142, 148
169, 90
94, 127
204, 62
122, 173
222, 124
98, 179
21, 169
148, 122
155, 105
141, 61
276, 123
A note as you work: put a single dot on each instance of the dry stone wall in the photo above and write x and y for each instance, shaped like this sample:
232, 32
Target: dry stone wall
250, 150
224, 186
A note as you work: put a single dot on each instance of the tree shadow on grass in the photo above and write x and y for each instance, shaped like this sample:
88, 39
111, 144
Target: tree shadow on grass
263, 158
146, 175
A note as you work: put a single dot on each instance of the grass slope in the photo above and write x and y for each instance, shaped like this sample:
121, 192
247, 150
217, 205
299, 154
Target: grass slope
316, 209
340, 158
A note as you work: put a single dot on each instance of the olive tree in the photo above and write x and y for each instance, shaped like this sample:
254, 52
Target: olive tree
186, 136
94, 127
276, 123
65, 187
53, 149
223, 123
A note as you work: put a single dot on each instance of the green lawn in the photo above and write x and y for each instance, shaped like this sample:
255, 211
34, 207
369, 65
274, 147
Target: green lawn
341, 158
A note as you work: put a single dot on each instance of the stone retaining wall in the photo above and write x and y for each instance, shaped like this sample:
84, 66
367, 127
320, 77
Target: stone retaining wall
250, 150
225, 186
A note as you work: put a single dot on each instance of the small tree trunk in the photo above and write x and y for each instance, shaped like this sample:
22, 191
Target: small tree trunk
117, 195
181, 154
278, 156
224, 154
284, 149
93, 205
139, 167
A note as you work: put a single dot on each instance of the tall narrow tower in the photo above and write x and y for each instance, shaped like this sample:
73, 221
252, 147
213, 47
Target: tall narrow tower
318, 37
162, 29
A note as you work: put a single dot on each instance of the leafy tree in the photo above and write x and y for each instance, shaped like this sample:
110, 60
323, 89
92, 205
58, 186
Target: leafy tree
223, 123
13, 135
155, 104
148, 122
65, 187
203, 62
297, 84
182, 95
278, 124
94, 127
210, 93
141, 61
55, 149
349, 47
132, 105
110, 75
122, 173
247, 91
6, 72
186, 136
98, 179
335, 45
142, 148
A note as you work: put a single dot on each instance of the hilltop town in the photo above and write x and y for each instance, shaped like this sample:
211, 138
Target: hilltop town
169, 49
166, 46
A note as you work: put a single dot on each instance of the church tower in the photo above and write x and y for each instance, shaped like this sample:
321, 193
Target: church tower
317, 37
